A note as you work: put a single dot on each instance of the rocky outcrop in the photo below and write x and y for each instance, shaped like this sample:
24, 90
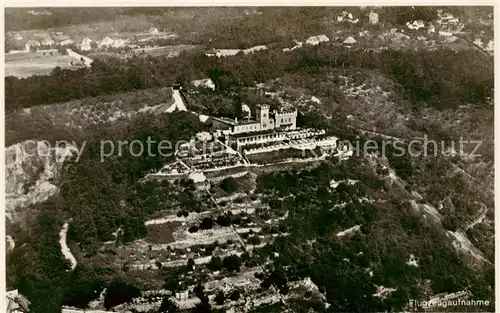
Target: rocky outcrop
31, 166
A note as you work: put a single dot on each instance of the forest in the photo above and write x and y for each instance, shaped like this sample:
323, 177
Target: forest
441, 78
390, 231
100, 197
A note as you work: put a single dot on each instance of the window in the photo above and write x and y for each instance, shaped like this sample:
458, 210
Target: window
264, 115
264, 125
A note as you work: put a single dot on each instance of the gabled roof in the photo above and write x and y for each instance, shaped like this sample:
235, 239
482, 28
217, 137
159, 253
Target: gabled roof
349, 40
33, 43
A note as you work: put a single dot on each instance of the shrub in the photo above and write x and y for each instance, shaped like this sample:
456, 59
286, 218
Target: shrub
254, 240
235, 295
206, 223
215, 263
220, 298
232, 263
229, 185
224, 220
193, 229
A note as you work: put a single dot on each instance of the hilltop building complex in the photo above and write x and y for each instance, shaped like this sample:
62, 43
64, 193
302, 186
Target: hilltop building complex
232, 147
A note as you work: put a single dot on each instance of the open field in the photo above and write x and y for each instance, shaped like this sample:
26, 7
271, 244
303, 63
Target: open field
168, 51
27, 64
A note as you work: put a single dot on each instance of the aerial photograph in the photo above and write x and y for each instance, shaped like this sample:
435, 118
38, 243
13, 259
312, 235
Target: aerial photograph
249, 159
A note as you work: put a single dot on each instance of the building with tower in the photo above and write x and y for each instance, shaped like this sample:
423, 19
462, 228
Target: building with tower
268, 126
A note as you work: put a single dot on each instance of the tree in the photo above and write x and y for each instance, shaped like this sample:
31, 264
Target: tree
168, 306
254, 240
232, 263
190, 264
224, 220
193, 229
235, 295
220, 298
206, 223
118, 293
215, 263
275, 204
229, 185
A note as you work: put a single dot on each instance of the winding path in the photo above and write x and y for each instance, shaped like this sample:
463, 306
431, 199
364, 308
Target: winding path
479, 219
64, 247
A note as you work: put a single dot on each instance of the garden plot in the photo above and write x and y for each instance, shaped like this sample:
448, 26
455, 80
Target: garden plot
26, 64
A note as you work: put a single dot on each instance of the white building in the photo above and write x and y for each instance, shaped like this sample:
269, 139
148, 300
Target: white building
66, 42
246, 109
373, 17
267, 125
30, 44
119, 43
85, 45
48, 42
204, 136
16, 302
346, 17
416, 25
106, 42
349, 41
316, 40
254, 49
206, 83
445, 33
490, 47
154, 31
431, 29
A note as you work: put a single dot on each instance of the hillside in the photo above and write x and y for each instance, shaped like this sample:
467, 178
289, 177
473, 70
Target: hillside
362, 233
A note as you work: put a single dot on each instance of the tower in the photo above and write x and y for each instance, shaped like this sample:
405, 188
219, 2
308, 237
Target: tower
263, 117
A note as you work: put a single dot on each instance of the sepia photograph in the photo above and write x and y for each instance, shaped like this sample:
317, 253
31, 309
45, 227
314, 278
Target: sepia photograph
257, 159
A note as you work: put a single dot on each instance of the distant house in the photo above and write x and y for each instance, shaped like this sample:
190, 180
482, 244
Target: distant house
119, 43
445, 33
349, 41
254, 49
416, 25
154, 31
246, 109
490, 47
373, 17
346, 17
316, 40
86, 44
16, 302
66, 42
18, 36
431, 29
206, 83
419, 24
213, 53
297, 46
30, 44
363, 33
48, 42
106, 42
